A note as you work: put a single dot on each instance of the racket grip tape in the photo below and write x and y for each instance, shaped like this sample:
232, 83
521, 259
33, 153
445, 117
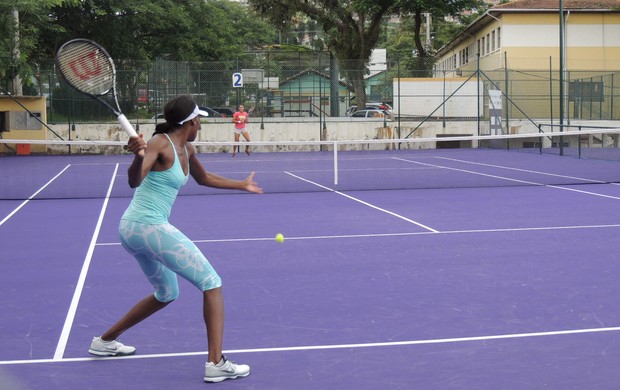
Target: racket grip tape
127, 126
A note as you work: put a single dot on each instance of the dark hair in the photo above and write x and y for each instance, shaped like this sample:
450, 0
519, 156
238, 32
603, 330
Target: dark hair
175, 111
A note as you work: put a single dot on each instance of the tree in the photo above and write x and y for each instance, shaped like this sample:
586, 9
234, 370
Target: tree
21, 24
351, 29
191, 30
404, 41
439, 10
137, 30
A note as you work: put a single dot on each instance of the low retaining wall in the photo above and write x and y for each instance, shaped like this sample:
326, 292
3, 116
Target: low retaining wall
276, 130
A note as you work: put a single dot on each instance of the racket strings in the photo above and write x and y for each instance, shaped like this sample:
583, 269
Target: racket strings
87, 68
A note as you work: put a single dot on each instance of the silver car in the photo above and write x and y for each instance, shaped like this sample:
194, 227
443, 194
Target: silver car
370, 114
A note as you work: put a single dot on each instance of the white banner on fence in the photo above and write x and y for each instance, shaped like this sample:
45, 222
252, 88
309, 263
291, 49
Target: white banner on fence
495, 111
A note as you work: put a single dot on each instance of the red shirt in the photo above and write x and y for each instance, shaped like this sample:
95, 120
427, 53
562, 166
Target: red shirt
240, 119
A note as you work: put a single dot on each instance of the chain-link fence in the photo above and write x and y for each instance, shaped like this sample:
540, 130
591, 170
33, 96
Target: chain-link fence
590, 95
311, 84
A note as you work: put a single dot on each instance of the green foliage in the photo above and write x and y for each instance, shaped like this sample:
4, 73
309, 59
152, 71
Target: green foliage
143, 33
439, 9
22, 35
137, 30
351, 29
192, 30
445, 31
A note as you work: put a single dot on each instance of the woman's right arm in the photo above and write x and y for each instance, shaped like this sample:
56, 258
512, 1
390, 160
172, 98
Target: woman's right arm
145, 155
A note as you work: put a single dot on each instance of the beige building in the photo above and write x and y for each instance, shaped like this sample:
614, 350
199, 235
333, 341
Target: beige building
21, 118
525, 34
518, 43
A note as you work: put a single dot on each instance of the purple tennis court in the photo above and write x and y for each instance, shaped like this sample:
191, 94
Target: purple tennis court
430, 269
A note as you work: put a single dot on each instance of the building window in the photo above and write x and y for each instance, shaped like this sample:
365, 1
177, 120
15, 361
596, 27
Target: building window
488, 43
499, 39
493, 40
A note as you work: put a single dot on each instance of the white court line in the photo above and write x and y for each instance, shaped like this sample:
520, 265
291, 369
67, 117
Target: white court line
371, 235
468, 171
66, 329
523, 170
364, 203
332, 346
515, 180
584, 192
546, 174
32, 196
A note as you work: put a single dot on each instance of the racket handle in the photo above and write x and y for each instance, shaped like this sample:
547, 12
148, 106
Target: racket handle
127, 126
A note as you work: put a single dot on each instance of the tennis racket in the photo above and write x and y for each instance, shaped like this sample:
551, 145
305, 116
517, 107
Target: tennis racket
89, 69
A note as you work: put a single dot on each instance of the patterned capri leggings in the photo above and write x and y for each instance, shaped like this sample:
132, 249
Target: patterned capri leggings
163, 252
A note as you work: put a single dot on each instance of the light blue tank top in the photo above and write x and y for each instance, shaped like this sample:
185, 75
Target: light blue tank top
153, 199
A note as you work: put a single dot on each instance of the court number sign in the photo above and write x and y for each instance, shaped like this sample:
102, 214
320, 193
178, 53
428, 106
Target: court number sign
237, 80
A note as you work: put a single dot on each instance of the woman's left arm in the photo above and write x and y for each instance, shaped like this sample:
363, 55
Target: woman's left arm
209, 179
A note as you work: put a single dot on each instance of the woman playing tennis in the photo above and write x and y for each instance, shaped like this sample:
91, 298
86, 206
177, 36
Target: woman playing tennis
159, 169
240, 118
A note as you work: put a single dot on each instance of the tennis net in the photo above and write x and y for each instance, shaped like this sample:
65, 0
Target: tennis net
95, 169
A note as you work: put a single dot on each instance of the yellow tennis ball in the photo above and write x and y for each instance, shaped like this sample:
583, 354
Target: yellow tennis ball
279, 238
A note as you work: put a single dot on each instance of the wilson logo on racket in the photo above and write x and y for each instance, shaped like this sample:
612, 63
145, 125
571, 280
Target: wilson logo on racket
86, 66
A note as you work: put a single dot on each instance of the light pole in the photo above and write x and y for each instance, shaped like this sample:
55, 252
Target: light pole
562, 53
561, 64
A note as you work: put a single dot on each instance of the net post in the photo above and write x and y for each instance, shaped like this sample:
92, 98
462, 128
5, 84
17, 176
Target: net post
561, 141
540, 131
335, 163
579, 142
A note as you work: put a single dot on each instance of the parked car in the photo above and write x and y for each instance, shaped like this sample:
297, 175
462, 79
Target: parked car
371, 106
148, 96
370, 114
224, 111
210, 111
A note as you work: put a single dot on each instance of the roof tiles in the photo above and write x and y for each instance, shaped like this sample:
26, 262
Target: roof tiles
555, 4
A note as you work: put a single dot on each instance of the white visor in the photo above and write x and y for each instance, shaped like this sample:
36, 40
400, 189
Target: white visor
194, 114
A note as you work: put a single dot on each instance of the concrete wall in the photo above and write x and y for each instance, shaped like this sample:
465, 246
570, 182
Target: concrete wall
216, 135
279, 131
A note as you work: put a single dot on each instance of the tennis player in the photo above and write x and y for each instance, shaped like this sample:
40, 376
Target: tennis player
159, 169
240, 118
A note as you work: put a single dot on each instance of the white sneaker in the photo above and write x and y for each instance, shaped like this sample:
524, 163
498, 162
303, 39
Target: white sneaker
225, 369
109, 348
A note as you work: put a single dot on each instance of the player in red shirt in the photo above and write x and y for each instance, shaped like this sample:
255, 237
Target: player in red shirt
240, 118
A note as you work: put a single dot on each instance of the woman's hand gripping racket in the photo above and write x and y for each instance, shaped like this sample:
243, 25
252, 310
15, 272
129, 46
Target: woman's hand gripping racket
87, 67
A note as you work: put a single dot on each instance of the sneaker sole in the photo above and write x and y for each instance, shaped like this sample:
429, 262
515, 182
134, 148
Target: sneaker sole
104, 353
217, 379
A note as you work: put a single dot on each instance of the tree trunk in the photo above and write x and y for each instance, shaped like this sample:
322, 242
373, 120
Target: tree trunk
360, 93
17, 81
355, 74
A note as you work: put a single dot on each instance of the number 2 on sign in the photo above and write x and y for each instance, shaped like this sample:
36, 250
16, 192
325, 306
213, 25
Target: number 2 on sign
237, 80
